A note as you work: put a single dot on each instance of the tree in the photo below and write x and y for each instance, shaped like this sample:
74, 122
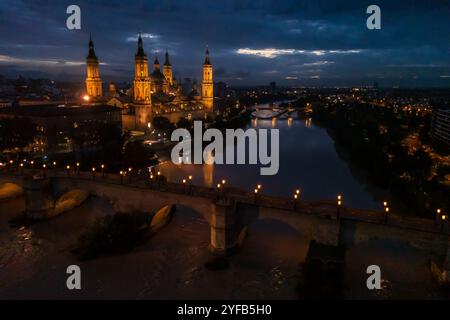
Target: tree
163, 124
136, 155
16, 133
184, 123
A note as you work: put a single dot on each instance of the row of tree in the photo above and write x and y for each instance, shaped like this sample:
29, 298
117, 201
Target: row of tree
374, 139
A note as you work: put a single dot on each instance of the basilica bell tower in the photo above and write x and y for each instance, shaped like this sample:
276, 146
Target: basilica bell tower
207, 83
93, 81
142, 100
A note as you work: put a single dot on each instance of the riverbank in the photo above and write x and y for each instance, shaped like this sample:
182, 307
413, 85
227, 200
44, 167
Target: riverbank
375, 141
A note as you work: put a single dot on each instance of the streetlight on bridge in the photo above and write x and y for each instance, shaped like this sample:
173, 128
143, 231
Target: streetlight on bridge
218, 190
256, 191
444, 219
339, 205
296, 198
386, 214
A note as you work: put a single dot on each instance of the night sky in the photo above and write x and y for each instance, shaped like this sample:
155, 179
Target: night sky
310, 43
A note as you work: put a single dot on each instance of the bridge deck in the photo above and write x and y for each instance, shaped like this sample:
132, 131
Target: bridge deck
323, 209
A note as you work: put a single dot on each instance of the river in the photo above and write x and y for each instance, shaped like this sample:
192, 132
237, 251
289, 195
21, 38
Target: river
308, 161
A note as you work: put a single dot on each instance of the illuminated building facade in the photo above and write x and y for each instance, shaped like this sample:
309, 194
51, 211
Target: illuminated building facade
207, 83
93, 81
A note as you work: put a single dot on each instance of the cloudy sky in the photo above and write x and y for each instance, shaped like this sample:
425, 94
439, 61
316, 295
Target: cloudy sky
299, 42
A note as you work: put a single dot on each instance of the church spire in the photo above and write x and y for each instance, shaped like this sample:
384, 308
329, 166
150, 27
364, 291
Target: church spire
156, 62
140, 52
91, 54
207, 61
166, 61
93, 80
207, 83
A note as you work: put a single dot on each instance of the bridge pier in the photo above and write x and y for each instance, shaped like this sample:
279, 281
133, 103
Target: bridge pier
441, 269
223, 226
39, 202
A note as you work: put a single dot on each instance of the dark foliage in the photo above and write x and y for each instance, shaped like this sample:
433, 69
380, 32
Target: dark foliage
112, 234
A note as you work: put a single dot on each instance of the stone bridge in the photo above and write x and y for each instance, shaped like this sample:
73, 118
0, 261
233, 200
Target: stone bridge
229, 210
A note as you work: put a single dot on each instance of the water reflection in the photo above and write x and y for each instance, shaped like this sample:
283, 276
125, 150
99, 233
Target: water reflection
208, 171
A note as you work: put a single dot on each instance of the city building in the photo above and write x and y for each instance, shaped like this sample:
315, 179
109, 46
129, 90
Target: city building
93, 80
441, 125
142, 100
207, 83
155, 93
57, 121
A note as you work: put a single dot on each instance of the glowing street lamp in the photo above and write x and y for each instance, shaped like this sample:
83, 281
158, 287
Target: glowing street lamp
339, 205
386, 214
44, 166
444, 219
438, 213
296, 198
158, 179
93, 173
218, 186
86, 98
190, 184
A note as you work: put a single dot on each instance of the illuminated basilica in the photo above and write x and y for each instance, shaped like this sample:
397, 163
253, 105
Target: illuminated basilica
154, 93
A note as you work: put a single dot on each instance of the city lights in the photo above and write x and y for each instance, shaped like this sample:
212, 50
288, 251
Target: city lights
103, 128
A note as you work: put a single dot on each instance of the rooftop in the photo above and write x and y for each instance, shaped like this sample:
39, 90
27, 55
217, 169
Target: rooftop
49, 110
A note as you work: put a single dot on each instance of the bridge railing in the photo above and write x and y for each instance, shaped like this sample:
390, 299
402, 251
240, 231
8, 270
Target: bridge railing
322, 209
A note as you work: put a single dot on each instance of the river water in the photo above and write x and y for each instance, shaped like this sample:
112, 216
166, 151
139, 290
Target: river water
308, 160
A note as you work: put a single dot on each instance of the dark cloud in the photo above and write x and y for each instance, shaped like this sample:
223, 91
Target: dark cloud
415, 35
